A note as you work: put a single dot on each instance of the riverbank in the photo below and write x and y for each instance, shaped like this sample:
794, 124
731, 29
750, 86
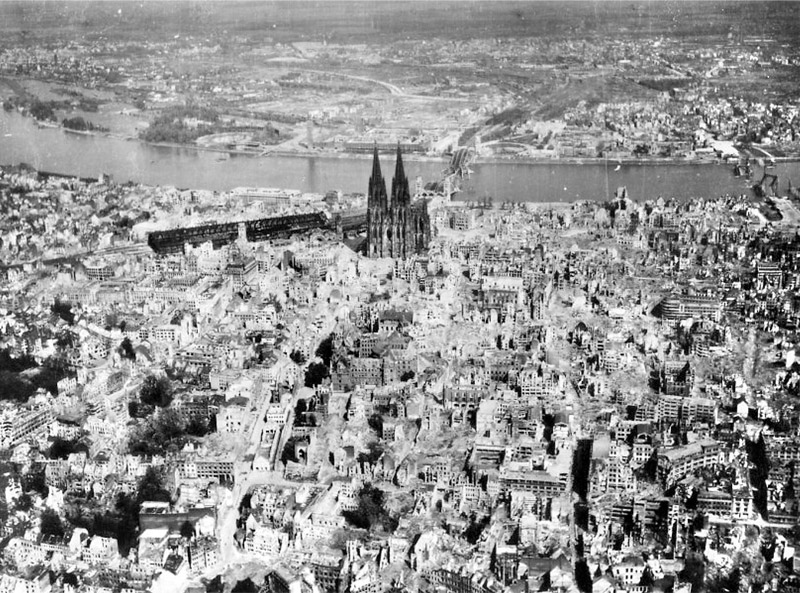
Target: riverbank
427, 158
318, 171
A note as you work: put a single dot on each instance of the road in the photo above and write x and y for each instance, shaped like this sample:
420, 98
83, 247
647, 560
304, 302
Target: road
131, 249
245, 477
752, 354
392, 88
228, 514
573, 530
262, 404
228, 511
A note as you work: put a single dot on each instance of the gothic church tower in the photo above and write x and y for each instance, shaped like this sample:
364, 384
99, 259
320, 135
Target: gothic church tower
396, 227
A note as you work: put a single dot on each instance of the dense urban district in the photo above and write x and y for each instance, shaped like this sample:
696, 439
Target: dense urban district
270, 391
597, 396
528, 81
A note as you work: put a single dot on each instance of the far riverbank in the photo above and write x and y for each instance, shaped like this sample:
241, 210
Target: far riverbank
482, 159
420, 157
518, 180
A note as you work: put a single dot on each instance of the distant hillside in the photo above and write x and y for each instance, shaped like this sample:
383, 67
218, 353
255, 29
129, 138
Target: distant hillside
337, 20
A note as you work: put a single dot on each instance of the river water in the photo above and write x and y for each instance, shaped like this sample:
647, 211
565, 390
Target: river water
52, 149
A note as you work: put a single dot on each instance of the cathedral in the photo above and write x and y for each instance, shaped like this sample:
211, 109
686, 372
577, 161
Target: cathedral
395, 227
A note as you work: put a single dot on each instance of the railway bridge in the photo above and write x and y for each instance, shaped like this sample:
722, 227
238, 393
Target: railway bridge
261, 229
457, 169
460, 162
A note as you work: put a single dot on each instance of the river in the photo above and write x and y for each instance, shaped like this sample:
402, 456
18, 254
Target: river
52, 149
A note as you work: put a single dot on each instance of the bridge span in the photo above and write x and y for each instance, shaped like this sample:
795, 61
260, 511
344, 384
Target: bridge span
457, 169
460, 162
261, 229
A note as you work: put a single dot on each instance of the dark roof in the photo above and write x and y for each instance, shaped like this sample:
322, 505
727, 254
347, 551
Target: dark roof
173, 563
395, 315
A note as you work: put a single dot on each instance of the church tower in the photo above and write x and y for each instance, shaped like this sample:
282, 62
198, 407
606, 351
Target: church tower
377, 205
395, 227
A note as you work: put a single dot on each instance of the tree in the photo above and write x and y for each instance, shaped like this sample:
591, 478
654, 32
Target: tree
49, 374
245, 586
51, 523
151, 488
14, 387
156, 391
165, 431
288, 450
62, 448
325, 350
78, 123
647, 579
125, 349
727, 582
42, 110
316, 373
169, 426
475, 528
375, 422
297, 357
63, 310
127, 509
599, 148
111, 317
34, 480
137, 409
15, 364
372, 454
104, 525
24, 502
65, 339
407, 376
187, 529
198, 427
371, 511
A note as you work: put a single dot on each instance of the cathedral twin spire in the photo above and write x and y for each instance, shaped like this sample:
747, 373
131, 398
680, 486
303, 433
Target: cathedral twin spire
378, 197
377, 186
395, 227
